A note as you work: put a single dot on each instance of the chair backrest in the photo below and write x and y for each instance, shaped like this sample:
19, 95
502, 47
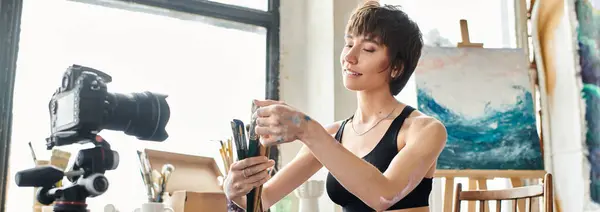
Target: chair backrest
526, 192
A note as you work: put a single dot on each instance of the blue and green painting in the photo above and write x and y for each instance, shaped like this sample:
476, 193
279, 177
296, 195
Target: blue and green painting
588, 37
484, 98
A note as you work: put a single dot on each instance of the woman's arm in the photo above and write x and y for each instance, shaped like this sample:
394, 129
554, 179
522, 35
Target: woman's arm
425, 139
300, 169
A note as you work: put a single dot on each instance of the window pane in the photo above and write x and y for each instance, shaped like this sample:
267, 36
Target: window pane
210, 73
254, 4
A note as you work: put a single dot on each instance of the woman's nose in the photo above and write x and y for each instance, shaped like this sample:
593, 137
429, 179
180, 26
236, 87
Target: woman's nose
351, 57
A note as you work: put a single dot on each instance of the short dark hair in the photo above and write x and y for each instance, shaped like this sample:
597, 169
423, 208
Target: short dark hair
396, 31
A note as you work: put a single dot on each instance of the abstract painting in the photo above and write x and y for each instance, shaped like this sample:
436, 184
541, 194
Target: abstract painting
588, 37
484, 98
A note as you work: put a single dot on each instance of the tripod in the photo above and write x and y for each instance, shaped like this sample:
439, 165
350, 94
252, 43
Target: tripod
87, 175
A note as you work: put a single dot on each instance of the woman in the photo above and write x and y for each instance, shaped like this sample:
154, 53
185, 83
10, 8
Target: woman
380, 159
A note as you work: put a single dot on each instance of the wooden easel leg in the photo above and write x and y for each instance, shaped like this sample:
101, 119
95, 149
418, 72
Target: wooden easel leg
482, 185
448, 191
516, 182
472, 187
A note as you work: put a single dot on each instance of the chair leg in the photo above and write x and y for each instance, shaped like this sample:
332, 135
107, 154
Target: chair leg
457, 197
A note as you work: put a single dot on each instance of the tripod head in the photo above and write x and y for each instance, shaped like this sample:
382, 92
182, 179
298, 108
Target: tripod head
86, 175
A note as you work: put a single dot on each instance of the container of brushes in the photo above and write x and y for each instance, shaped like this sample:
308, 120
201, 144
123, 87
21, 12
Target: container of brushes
190, 181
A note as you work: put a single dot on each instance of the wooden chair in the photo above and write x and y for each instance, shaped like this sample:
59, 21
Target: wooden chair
527, 192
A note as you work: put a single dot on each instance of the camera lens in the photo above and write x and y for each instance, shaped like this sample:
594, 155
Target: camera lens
143, 115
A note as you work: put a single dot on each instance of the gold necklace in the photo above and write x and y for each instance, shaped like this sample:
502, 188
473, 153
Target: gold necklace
360, 134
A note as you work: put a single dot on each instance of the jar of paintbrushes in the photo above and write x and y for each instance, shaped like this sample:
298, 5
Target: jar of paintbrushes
155, 183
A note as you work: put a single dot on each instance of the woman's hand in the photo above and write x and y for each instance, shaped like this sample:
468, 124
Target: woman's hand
279, 123
245, 175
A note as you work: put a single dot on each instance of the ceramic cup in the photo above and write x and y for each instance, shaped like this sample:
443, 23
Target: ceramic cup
153, 207
110, 208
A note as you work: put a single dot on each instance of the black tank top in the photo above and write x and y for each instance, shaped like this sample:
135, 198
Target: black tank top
381, 156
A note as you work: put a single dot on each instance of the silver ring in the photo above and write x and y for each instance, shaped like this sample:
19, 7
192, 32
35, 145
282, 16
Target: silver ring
244, 173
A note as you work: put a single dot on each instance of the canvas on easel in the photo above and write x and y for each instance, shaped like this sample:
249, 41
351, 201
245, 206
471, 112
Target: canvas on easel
485, 99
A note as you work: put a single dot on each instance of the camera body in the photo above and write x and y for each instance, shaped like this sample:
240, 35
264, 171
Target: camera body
82, 107
78, 105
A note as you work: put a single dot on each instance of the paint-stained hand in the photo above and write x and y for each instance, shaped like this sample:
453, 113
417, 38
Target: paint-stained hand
278, 122
247, 174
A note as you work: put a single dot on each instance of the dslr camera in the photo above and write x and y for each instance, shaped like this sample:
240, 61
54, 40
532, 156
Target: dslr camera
82, 107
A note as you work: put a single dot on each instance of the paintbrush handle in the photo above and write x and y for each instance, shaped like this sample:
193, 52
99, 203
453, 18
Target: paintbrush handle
258, 207
250, 200
145, 172
258, 200
239, 138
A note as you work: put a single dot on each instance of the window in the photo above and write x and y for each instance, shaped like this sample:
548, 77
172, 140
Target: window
210, 68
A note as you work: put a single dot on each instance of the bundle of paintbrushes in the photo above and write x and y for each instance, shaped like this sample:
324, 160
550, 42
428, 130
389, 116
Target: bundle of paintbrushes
226, 153
154, 181
247, 147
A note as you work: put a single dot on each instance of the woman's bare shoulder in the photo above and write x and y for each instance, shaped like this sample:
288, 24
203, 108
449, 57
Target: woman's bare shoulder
332, 128
418, 119
419, 124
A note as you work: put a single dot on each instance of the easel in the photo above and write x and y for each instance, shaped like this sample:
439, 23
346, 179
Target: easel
464, 32
478, 178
